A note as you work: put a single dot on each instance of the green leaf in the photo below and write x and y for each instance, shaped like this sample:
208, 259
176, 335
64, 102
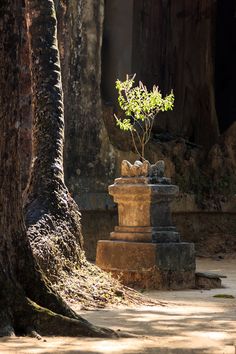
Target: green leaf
141, 105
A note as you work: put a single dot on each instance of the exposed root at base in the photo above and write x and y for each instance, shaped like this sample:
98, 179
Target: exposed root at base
53, 238
43, 322
91, 288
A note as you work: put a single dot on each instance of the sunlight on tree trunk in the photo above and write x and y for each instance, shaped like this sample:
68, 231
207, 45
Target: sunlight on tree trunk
22, 283
52, 216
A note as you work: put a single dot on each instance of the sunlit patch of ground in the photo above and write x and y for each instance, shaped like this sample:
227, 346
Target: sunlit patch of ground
192, 321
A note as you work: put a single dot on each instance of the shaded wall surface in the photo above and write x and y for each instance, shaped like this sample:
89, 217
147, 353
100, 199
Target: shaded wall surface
225, 73
172, 45
212, 233
117, 45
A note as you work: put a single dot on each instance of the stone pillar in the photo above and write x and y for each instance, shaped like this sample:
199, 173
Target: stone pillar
145, 248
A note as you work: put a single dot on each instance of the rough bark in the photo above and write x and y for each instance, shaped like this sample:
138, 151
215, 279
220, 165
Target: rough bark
21, 281
25, 105
89, 159
81, 73
52, 217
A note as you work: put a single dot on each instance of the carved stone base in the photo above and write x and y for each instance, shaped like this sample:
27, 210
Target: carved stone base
145, 234
149, 265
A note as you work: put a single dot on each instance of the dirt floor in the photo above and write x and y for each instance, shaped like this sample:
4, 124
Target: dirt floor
191, 321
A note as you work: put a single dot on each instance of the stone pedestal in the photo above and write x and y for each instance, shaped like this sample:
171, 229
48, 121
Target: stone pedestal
145, 250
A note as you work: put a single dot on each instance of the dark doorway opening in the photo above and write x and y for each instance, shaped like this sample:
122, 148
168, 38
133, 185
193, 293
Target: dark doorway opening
225, 69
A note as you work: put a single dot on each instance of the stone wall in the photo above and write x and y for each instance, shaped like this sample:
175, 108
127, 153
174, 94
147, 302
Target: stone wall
172, 45
168, 42
213, 233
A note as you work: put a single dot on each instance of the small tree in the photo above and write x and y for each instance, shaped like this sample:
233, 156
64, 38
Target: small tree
141, 108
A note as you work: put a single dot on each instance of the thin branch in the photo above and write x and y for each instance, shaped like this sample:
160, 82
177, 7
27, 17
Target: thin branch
136, 121
150, 130
135, 146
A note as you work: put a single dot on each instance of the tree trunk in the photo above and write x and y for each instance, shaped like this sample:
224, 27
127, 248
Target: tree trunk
52, 216
89, 159
21, 281
80, 38
25, 106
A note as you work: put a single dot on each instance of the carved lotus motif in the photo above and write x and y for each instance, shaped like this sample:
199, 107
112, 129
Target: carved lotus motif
142, 169
138, 169
158, 169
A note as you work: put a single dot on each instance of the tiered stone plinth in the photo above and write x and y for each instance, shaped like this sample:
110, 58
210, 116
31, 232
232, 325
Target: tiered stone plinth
145, 250
149, 265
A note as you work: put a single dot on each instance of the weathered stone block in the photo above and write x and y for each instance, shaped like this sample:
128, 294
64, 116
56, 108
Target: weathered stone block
143, 204
149, 265
175, 256
208, 280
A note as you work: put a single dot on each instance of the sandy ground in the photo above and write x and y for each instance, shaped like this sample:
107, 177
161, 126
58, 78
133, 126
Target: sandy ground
192, 321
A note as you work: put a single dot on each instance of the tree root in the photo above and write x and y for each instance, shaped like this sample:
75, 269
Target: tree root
45, 322
6, 330
90, 287
78, 281
43, 294
21, 316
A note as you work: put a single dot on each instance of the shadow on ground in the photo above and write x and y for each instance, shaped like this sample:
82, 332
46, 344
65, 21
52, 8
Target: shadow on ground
191, 322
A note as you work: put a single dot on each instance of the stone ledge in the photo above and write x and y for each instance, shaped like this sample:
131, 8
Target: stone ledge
210, 275
155, 236
208, 280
